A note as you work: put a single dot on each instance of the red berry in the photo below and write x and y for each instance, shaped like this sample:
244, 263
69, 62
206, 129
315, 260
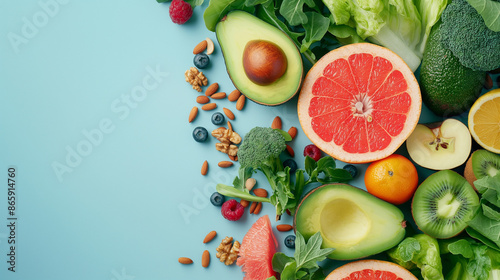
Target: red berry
232, 210
312, 151
180, 11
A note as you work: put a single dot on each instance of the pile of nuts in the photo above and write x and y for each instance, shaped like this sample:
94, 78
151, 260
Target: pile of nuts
227, 251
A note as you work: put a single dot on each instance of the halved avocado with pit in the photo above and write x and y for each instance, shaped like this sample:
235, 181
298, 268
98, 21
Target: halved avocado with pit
239, 29
353, 222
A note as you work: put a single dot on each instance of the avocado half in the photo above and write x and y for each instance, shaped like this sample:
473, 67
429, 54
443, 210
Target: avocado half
234, 32
352, 221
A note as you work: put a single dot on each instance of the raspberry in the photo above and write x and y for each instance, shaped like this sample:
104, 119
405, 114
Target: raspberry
180, 11
232, 210
312, 151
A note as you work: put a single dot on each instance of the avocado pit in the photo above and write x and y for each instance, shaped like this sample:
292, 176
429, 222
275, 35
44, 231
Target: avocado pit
264, 62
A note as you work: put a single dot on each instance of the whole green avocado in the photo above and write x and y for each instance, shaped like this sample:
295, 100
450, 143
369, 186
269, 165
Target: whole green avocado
448, 88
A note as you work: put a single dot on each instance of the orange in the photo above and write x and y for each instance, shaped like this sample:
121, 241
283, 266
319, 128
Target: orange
393, 179
484, 121
359, 103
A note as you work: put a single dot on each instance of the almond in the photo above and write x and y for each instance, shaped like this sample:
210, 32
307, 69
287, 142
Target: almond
204, 168
250, 183
210, 236
234, 95
488, 83
277, 124
209, 106
200, 47
210, 46
228, 113
229, 126
253, 206
202, 99
205, 258
185, 260
244, 203
284, 227
290, 151
240, 103
225, 164
218, 95
233, 158
260, 192
258, 208
212, 89
193, 114
293, 132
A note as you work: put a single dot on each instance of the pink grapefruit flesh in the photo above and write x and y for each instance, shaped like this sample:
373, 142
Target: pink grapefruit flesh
257, 250
370, 269
359, 103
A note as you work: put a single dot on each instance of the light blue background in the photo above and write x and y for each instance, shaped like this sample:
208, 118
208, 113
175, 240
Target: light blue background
118, 213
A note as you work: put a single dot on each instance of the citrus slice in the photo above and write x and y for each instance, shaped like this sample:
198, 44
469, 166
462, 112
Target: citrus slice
371, 269
257, 250
484, 121
359, 103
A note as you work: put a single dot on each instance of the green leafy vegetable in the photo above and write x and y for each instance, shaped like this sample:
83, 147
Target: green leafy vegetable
490, 11
421, 251
292, 11
400, 25
216, 10
304, 264
260, 151
485, 225
315, 28
468, 259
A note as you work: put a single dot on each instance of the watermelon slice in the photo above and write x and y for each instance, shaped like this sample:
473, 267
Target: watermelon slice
257, 250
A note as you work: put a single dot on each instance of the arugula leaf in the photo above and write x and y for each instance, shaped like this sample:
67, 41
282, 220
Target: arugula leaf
194, 3
289, 271
216, 10
292, 11
310, 165
243, 174
487, 227
279, 261
476, 235
267, 13
490, 212
285, 134
307, 255
315, 27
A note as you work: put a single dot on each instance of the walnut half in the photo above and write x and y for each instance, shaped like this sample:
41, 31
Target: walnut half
227, 252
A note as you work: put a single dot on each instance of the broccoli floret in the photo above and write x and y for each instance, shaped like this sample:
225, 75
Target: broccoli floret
261, 146
464, 33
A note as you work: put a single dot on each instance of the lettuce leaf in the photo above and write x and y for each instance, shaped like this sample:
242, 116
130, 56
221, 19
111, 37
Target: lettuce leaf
490, 11
400, 25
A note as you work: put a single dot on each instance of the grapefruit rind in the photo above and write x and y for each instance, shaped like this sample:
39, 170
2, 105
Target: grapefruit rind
371, 269
397, 126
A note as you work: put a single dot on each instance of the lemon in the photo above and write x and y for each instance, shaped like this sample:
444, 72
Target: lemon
484, 121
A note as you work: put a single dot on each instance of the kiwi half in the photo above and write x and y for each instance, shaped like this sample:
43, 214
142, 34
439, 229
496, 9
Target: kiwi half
480, 164
485, 163
443, 204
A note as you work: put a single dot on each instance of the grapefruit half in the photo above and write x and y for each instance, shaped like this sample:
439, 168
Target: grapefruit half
371, 269
257, 250
359, 103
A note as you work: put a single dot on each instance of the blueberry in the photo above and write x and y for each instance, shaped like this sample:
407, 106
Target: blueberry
200, 134
217, 199
217, 118
201, 60
292, 164
352, 169
290, 241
